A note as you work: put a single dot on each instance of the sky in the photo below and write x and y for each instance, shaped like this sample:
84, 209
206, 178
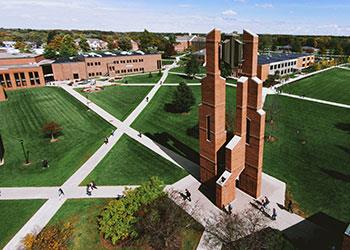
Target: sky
302, 17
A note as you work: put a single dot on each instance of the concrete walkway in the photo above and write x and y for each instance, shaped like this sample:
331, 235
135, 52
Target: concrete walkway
341, 105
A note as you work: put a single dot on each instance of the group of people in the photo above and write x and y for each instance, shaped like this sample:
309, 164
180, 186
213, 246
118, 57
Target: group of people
186, 195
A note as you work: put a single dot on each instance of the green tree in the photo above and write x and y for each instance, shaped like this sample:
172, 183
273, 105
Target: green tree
21, 46
117, 220
50, 52
83, 44
183, 99
192, 66
124, 43
51, 35
68, 47
225, 70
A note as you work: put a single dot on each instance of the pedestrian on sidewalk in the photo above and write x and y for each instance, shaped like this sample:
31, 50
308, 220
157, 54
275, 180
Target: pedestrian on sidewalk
266, 202
112, 133
140, 134
60, 192
88, 190
289, 207
188, 194
274, 214
106, 140
229, 209
147, 98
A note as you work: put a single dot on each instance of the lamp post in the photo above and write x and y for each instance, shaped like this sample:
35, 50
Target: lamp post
26, 154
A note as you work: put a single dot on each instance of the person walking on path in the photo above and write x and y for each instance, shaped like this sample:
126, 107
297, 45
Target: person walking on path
112, 133
266, 202
188, 194
147, 98
229, 209
106, 140
60, 192
88, 190
274, 214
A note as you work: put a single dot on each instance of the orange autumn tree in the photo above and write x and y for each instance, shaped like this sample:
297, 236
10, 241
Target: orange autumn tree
51, 129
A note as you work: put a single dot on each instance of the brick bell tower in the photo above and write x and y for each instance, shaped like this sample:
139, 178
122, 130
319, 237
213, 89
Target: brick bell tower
212, 133
222, 163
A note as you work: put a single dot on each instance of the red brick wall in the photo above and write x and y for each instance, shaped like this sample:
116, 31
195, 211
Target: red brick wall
25, 60
263, 71
25, 70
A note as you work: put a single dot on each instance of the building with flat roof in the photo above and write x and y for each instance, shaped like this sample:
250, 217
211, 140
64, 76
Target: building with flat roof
187, 41
282, 64
21, 70
111, 64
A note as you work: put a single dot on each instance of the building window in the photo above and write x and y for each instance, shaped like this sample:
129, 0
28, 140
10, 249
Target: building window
275, 67
23, 79
247, 139
208, 128
18, 80
271, 67
8, 80
76, 76
89, 74
2, 80
37, 79
31, 78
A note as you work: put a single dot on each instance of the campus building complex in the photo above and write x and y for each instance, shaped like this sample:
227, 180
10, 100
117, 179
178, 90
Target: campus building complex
223, 162
282, 64
105, 64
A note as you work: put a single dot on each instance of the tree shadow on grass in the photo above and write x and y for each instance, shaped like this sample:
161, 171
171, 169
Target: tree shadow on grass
193, 132
336, 175
319, 231
175, 145
345, 149
343, 126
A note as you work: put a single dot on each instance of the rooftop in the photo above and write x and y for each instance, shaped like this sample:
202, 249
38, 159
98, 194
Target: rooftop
267, 59
17, 55
101, 54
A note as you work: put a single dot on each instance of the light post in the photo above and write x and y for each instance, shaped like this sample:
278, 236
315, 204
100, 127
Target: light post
26, 154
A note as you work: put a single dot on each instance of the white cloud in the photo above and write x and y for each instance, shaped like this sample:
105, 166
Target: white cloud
229, 13
264, 5
184, 5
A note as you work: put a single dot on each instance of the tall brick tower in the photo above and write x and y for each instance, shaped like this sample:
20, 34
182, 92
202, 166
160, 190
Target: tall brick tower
2, 94
212, 133
241, 157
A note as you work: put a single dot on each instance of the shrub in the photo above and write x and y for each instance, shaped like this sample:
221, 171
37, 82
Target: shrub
117, 220
50, 238
150, 75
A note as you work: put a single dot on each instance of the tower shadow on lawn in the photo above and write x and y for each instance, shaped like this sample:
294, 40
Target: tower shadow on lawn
319, 231
343, 126
336, 174
170, 144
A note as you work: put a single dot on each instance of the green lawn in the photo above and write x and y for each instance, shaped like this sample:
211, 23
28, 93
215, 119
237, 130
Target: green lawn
332, 85
181, 69
143, 78
311, 154
178, 132
129, 162
119, 101
167, 61
14, 214
173, 78
23, 116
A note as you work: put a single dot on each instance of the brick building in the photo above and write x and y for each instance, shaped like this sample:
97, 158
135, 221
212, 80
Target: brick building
283, 64
21, 71
105, 64
225, 164
187, 41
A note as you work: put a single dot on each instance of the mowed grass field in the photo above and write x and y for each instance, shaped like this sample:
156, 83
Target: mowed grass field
23, 116
331, 85
311, 154
119, 101
130, 163
14, 214
173, 78
178, 132
181, 69
142, 78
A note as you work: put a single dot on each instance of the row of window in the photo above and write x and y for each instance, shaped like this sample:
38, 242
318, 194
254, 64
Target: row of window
20, 79
129, 70
95, 74
307, 58
92, 64
115, 62
282, 65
